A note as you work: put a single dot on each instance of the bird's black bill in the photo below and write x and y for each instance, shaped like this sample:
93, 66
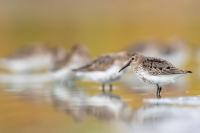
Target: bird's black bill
125, 66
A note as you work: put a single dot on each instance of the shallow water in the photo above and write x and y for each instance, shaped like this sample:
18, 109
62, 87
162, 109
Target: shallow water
84, 108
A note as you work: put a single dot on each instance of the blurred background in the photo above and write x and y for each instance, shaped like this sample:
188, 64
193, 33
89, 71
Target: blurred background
103, 26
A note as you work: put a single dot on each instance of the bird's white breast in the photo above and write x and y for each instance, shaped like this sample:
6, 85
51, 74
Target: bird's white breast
158, 79
28, 64
109, 75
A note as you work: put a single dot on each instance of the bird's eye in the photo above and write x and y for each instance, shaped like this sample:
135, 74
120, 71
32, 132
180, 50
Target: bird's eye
133, 58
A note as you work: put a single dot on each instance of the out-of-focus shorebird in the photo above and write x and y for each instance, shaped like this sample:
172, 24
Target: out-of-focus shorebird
77, 57
104, 69
37, 56
154, 70
175, 52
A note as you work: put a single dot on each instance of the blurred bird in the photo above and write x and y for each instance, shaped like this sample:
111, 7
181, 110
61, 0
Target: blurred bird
154, 70
77, 57
103, 70
37, 56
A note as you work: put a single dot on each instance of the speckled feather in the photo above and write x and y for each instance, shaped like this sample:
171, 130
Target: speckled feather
156, 66
104, 62
100, 64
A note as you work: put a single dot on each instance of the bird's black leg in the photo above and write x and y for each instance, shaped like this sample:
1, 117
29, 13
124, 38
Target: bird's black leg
103, 88
110, 87
158, 91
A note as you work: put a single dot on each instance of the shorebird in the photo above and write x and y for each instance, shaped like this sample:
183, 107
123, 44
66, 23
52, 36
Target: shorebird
37, 56
154, 70
174, 51
77, 57
103, 70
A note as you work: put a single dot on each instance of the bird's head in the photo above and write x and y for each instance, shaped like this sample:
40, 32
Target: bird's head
134, 60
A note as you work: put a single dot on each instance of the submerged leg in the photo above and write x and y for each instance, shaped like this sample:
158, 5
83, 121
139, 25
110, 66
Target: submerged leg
110, 87
158, 91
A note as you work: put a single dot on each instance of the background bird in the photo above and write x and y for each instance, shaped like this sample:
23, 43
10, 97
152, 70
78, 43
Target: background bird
34, 57
77, 57
103, 70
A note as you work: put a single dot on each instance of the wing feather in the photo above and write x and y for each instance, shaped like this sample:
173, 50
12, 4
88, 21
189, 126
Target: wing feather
99, 64
156, 66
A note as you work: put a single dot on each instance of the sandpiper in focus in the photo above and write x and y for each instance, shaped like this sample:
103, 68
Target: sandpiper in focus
154, 70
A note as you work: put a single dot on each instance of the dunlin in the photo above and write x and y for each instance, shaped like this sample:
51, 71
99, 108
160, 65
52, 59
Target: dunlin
154, 70
174, 51
37, 56
103, 70
77, 57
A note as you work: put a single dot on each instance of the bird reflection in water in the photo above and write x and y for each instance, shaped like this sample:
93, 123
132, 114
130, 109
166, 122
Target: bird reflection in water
70, 100
108, 107
164, 118
102, 106
76, 103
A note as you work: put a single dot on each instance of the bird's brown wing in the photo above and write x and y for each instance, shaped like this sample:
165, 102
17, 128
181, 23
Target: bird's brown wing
100, 64
156, 66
